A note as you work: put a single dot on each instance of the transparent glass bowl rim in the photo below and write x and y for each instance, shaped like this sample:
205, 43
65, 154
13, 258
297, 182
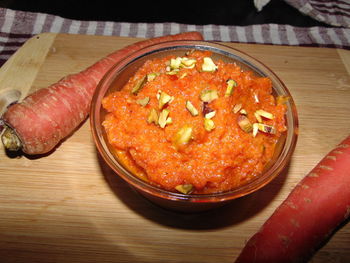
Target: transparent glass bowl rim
227, 51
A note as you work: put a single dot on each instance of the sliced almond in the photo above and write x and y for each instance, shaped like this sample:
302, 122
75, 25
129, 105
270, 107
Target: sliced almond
184, 188
191, 108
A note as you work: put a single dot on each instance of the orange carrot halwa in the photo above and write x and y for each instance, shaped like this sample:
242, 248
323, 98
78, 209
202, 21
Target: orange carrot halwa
193, 124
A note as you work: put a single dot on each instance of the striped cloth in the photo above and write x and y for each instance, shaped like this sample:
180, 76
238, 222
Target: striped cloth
17, 26
335, 12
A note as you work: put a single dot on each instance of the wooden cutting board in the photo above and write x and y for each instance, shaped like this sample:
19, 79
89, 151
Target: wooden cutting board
68, 206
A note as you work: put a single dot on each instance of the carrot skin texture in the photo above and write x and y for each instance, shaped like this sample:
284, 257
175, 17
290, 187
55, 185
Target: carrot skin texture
48, 115
308, 216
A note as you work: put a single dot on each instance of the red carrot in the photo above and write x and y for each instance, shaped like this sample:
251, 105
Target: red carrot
45, 117
308, 216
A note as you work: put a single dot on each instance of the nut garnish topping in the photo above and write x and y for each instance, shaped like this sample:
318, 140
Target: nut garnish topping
208, 65
266, 128
231, 84
164, 98
210, 115
209, 95
265, 114
182, 137
139, 85
151, 76
237, 108
245, 123
143, 102
191, 108
153, 117
184, 188
255, 129
209, 124
163, 116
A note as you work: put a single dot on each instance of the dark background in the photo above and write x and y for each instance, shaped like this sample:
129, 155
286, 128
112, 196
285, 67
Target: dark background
226, 12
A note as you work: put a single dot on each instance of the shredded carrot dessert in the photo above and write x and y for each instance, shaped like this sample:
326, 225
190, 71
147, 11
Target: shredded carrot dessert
193, 124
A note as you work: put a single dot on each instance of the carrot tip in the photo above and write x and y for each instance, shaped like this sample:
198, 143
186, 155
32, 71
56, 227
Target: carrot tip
10, 139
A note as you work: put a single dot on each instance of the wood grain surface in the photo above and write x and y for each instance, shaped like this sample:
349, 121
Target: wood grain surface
68, 206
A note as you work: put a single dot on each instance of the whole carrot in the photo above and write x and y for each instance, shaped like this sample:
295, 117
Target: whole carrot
308, 216
44, 118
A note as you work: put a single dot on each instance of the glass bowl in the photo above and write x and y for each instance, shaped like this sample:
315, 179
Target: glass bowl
122, 71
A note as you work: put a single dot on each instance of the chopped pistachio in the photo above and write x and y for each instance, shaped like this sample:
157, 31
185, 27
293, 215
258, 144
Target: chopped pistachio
188, 63
210, 115
163, 116
184, 188
139, 85
175, 63
209, 124
243, 112
143, 102
151, 76
153, 116
164, 98
237, 108
208, 65
266, 128
265, 114
255, 129
169, 120
245, 123
231, 84
191, 108
172, 72
182, 137
209, 95
258, 117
